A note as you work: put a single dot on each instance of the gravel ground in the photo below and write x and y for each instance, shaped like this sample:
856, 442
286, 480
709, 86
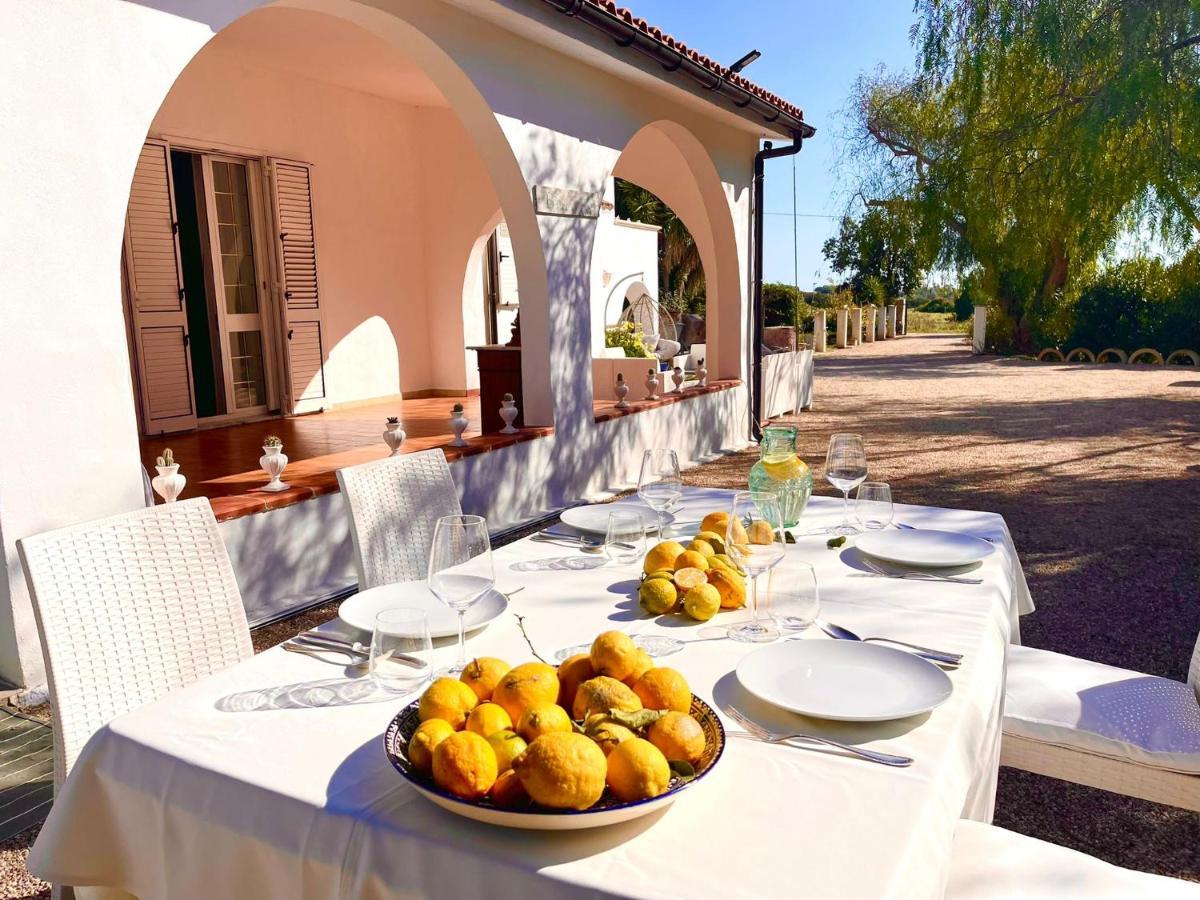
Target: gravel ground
1096, 470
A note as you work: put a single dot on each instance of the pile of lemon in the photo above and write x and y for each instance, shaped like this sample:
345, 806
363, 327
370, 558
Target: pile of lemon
558, 738
699, 579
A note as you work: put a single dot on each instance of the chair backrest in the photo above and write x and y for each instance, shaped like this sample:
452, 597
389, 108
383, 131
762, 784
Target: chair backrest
1194, 670
130, 608
393, 505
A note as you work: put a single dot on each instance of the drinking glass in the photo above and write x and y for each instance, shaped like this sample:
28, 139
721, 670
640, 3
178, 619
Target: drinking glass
754, 538
873, 505
401, 650
625, 539
846, 469
659, 483
794, 598
460, 571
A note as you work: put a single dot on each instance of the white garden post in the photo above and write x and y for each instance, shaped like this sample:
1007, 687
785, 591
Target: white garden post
891, 321
869, 331
979, 334
843, 316
881, 323
902, 316
819, 331
856, 326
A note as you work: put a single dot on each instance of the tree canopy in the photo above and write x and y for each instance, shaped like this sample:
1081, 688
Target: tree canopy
1034, 134
882, 252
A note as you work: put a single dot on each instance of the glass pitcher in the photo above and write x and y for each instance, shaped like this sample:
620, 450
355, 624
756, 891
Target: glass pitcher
783, 473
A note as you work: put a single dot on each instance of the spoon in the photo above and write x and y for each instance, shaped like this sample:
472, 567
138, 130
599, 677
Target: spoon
845, 634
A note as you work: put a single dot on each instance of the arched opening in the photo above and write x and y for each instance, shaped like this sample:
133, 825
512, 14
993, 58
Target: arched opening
667, 242
303, 230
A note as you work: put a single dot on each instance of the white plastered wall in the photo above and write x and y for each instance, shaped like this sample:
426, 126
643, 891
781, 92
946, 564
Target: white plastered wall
87, 78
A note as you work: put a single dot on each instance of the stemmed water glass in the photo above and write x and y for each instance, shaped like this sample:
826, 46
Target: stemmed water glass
659, 483
846, 469
754, 538
460, 571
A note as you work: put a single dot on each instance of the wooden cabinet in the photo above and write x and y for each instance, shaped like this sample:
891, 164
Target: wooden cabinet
499, 374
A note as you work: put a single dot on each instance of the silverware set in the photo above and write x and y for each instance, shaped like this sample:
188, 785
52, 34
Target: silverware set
875, 569
943, 658
812, 742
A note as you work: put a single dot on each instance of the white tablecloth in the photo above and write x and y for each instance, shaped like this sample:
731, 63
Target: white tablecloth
269, 779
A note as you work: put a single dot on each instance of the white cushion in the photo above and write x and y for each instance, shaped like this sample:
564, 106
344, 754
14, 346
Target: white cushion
990, 863
1101, 709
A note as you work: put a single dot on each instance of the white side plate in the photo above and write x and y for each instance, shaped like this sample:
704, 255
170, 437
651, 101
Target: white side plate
844, 680
594, 518
923, 547
360, 610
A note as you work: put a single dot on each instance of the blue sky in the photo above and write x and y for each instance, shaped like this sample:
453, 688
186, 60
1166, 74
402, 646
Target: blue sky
812, 53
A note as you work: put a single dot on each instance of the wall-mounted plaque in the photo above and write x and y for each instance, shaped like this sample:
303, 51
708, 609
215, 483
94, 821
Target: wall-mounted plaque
553, 201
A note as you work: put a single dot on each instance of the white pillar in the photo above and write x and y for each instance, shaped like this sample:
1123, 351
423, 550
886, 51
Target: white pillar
869, 330
819, 331
979, 334
891, 321
902, 316
881, 323
843, 317
856, 326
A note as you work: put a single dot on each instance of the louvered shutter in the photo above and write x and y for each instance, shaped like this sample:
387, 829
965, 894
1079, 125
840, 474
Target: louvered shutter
296, 254
157, 302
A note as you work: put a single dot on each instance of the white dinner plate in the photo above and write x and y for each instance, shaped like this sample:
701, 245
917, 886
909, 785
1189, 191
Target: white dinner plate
924, 547
849, 681
360, 609
594, 517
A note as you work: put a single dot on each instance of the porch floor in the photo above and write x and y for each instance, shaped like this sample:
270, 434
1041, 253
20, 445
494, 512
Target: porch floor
222, 463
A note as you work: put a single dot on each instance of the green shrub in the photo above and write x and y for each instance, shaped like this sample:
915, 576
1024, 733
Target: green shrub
970, 297
628, 336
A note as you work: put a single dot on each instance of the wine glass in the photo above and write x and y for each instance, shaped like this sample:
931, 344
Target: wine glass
401, 655
754, 538
460, 571
659, 483
794, 598
873, 505
845, 469
625, 538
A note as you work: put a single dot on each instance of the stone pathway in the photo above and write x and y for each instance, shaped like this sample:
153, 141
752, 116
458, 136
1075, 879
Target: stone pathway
1097, 471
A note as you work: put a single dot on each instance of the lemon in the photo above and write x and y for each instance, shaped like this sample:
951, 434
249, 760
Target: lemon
508, 792
637, 770
662, 573
507, 745
662, 556
664, 688
529, 684
482, 674
761, 532
691, 559
613, 653
722, 559
702, 602
601, 694
730, 586
421, 745
785, 469
573, 672
678, 736
714, 540
544, 719
704, 548
449, 699
464, 764
488, 718
606, 733
686, 579
644, 665
562, 770
657, 596
718, 523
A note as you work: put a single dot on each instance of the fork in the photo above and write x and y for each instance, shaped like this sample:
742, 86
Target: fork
918, 576
771, 737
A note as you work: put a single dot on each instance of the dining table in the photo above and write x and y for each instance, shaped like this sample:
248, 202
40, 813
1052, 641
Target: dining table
269, 779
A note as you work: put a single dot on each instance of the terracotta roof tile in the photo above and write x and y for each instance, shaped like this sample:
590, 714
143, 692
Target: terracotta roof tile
712, 65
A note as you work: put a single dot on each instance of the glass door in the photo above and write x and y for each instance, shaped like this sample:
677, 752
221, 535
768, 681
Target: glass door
238, 284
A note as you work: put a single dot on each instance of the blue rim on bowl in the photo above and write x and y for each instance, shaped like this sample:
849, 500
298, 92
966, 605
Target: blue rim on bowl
606, 810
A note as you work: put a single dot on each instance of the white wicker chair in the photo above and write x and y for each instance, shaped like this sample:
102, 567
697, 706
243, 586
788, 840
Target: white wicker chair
990, 863
1105, 727
393, 505
130, 608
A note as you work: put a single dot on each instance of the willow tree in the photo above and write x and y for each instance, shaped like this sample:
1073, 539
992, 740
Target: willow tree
1035, 133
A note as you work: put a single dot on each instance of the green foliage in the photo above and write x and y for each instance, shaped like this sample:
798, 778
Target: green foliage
883, 252
920, 322
681, 273
1140, 303
1035, 134
784, 304
628, 336
971, 296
